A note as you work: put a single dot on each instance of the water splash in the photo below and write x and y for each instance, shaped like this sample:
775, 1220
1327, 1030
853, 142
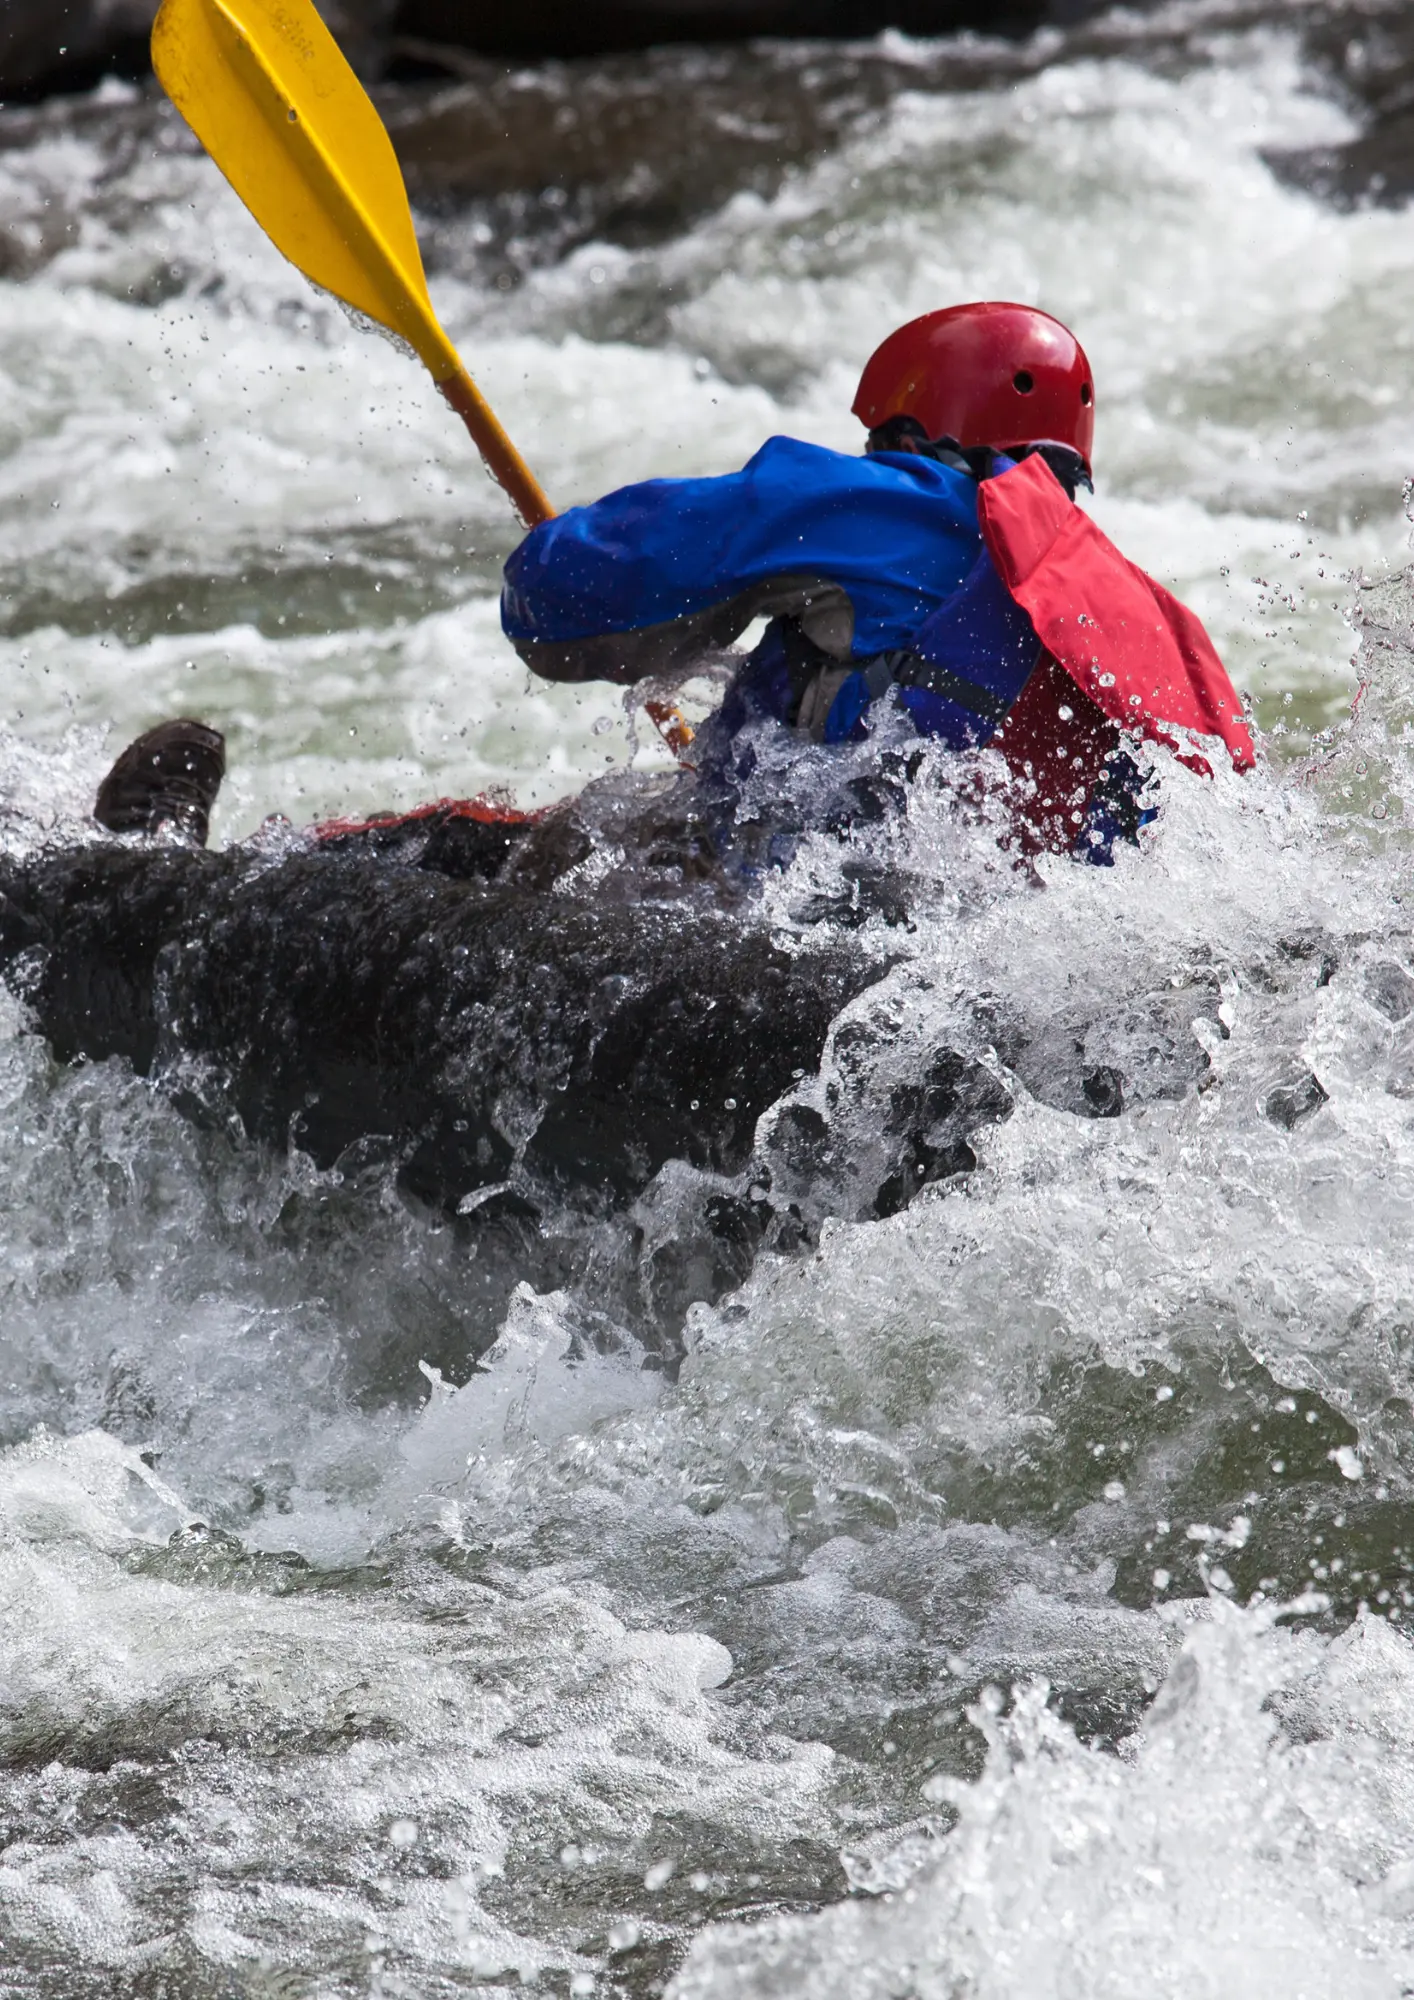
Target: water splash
1230, 1849
318, 1664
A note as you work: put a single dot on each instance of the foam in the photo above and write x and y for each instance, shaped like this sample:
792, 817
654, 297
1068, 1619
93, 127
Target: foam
296, 1757
1217, 1856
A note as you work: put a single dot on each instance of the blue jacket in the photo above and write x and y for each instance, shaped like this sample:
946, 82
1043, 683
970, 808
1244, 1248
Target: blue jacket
872, 570
873, 559
895, 535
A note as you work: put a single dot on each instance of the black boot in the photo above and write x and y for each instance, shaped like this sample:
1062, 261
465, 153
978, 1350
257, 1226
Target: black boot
168, 778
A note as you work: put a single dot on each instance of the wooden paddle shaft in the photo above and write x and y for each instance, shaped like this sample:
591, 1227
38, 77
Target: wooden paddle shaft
502, 460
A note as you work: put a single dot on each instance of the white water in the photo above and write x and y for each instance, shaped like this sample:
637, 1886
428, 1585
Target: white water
582, 1659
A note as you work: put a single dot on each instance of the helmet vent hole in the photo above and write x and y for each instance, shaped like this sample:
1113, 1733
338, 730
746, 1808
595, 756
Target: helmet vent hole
1087, 394
1023, 380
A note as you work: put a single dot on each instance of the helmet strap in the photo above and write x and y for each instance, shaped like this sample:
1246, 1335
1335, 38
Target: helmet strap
1064, 461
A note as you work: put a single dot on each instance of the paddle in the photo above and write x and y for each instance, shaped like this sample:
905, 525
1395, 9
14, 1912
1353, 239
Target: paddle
266, 89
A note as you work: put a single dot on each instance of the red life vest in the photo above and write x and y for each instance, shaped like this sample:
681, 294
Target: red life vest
1129, 646
1056, 743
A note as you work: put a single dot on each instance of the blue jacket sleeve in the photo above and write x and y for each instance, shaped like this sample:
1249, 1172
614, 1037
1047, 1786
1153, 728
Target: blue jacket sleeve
865, 548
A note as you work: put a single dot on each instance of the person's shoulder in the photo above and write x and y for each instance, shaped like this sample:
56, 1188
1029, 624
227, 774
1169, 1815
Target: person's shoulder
793, 459
782, 450
915, 470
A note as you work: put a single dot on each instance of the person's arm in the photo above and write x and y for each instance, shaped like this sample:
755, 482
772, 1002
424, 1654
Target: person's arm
659, 574
668, 646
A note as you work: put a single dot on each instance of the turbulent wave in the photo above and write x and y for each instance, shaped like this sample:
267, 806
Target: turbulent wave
1007, 1596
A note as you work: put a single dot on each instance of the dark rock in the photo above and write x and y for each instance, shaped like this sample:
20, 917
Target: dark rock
46, 47
528, 1062
1375, 171
596, 27
363, 29
1365, 49
630, 148
634, 148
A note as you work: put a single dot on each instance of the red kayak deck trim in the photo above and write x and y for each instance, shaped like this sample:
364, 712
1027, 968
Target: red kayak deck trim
487, 812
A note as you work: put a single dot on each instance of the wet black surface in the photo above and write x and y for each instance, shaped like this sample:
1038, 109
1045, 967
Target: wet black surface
361, 1000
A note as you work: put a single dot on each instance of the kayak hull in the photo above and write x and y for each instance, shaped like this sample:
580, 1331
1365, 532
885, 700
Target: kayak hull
482, 1033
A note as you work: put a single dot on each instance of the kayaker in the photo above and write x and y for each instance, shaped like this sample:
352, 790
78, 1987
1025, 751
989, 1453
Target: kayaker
947, 573
946, 579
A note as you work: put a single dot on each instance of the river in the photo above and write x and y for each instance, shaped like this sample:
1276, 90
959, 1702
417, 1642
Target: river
1005, 1599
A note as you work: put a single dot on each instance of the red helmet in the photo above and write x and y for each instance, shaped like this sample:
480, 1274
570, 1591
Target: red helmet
988, 373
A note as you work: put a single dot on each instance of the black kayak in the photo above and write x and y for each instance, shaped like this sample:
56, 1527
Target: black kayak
546, 1024
484, 1033
577, 1032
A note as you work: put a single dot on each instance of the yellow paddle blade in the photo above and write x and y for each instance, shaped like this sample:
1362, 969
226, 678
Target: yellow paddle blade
266, 89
